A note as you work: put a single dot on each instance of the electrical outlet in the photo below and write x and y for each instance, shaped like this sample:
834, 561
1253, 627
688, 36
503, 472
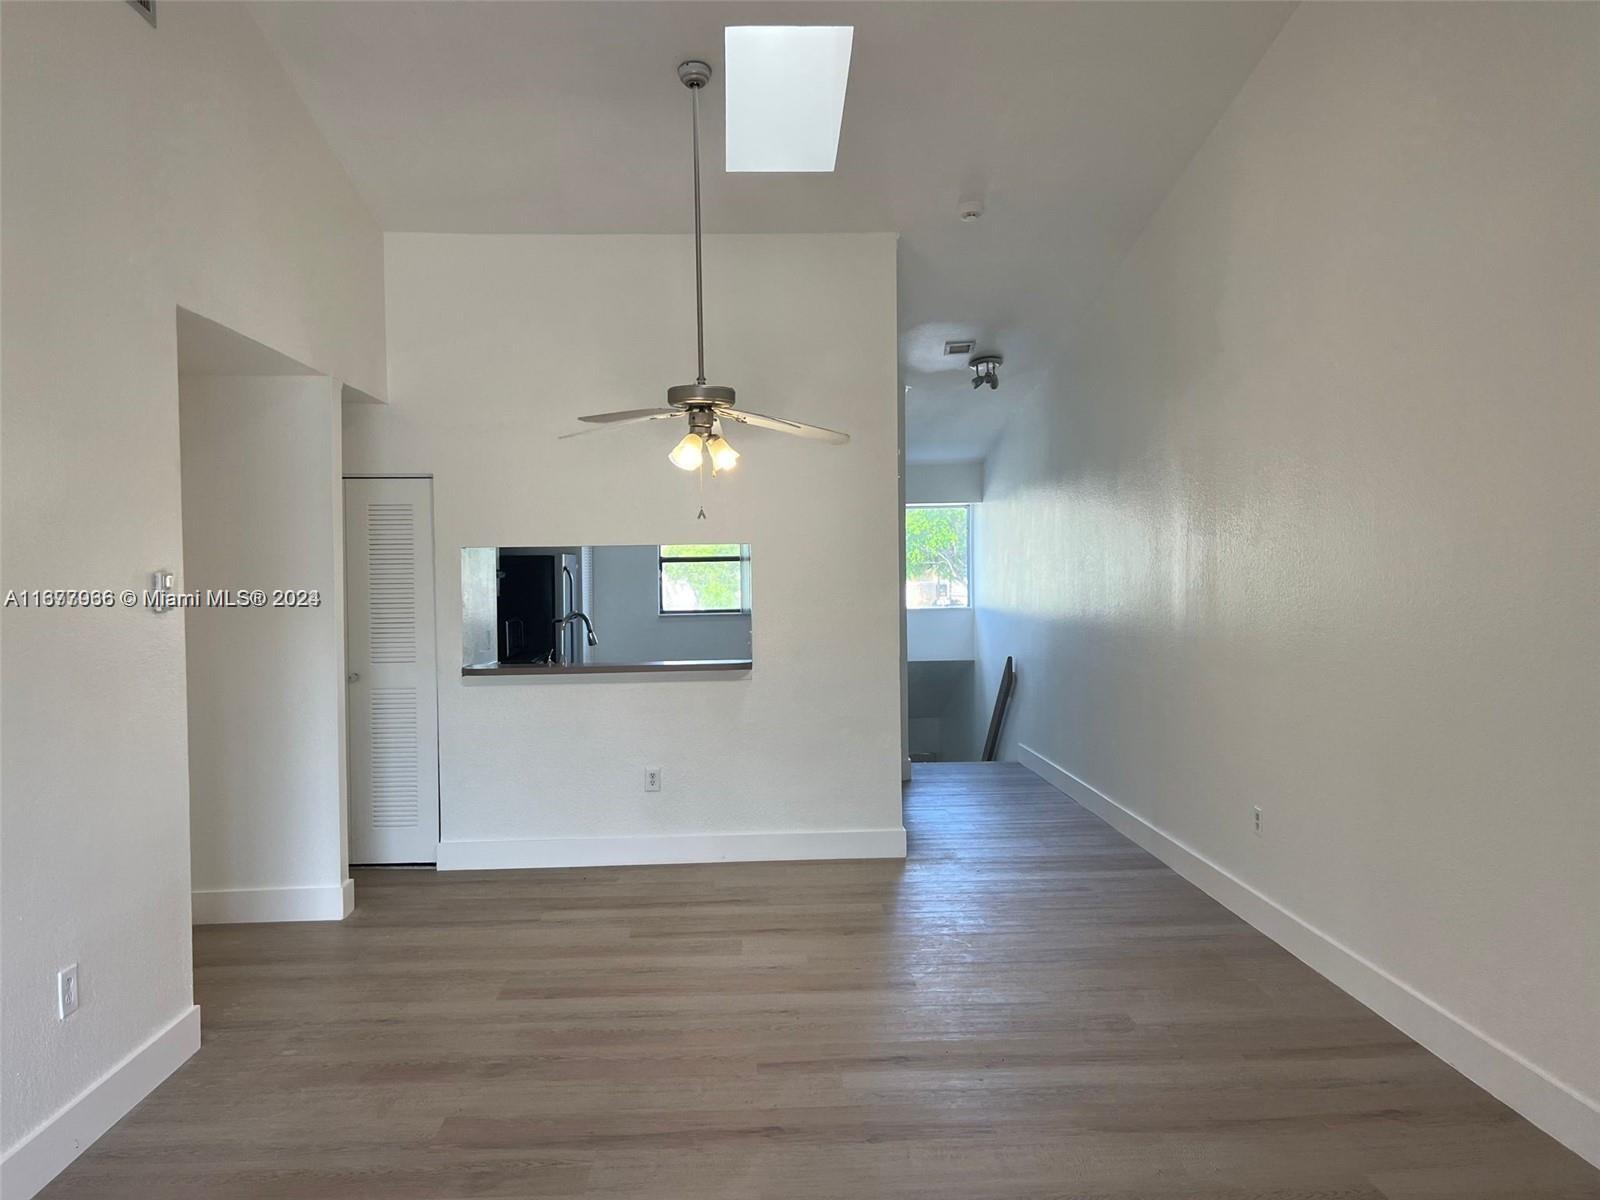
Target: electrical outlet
652, 779
67, 991
1257, 812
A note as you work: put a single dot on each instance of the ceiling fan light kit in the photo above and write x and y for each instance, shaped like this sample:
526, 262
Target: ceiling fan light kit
686, 455
723, 456
705, 405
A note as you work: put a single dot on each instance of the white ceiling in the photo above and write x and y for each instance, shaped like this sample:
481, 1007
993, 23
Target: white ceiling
1069, 120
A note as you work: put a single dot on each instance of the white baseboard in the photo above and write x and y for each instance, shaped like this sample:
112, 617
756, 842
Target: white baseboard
1556, 1107
239, 906
671, 848
50, 1149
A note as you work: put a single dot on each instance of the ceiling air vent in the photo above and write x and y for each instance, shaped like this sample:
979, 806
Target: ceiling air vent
959, 347
146, 9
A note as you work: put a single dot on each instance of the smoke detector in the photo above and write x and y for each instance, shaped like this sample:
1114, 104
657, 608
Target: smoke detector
970, 210
986, 370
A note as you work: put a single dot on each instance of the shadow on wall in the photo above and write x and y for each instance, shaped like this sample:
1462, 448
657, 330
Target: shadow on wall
942, 704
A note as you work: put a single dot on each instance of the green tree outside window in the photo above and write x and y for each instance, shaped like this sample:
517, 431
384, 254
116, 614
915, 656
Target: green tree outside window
703, 578
936, 555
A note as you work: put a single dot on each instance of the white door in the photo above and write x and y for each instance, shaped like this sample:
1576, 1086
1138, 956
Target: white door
393, 698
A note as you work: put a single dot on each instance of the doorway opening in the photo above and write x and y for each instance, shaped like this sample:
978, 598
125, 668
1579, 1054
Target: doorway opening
944, 712
259, 592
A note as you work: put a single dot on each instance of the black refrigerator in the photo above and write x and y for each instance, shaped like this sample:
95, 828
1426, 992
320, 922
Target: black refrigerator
535, 590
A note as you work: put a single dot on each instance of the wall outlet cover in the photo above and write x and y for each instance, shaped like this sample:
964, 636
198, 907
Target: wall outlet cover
67, 991
652, 779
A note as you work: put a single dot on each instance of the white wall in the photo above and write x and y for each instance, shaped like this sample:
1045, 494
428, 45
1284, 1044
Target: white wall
626, 611
944, 483
939, 634
940, 703
499, 343
1309, 522
144, 169
263, 508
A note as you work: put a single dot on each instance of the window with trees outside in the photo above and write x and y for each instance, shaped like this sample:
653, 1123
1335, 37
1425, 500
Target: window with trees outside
937, 555
713, 578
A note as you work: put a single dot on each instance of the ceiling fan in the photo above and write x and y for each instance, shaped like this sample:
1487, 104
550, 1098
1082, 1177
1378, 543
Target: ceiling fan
705, 405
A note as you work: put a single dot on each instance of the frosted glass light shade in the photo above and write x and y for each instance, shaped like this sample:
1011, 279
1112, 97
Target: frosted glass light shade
686, 454
723, 456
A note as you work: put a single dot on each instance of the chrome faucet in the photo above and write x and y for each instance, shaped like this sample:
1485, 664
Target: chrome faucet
561, 630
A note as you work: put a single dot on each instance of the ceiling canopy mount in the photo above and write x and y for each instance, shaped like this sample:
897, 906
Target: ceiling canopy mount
694, 73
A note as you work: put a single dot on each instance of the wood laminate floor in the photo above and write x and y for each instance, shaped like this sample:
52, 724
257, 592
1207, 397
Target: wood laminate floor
1029, 1007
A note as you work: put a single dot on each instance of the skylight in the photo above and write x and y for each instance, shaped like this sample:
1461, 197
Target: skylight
785, 99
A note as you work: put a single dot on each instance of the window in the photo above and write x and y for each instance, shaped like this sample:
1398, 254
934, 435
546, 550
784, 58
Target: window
937, 555
705, 579
783, 90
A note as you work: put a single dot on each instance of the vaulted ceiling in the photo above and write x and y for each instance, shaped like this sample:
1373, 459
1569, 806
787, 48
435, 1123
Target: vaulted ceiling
1070, 121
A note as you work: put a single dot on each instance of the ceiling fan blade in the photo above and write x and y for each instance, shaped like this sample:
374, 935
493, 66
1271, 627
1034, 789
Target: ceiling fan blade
614, 420
783, 425
632, 414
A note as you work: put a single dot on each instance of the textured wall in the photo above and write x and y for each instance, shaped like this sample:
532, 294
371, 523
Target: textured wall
1308, 519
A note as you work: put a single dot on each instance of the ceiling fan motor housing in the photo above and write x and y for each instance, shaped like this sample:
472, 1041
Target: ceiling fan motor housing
700, 395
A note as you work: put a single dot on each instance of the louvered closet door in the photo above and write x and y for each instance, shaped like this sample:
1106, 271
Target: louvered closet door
389, 637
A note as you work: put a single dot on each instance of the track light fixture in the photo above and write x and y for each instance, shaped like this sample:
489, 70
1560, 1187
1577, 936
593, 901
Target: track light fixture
985, 370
